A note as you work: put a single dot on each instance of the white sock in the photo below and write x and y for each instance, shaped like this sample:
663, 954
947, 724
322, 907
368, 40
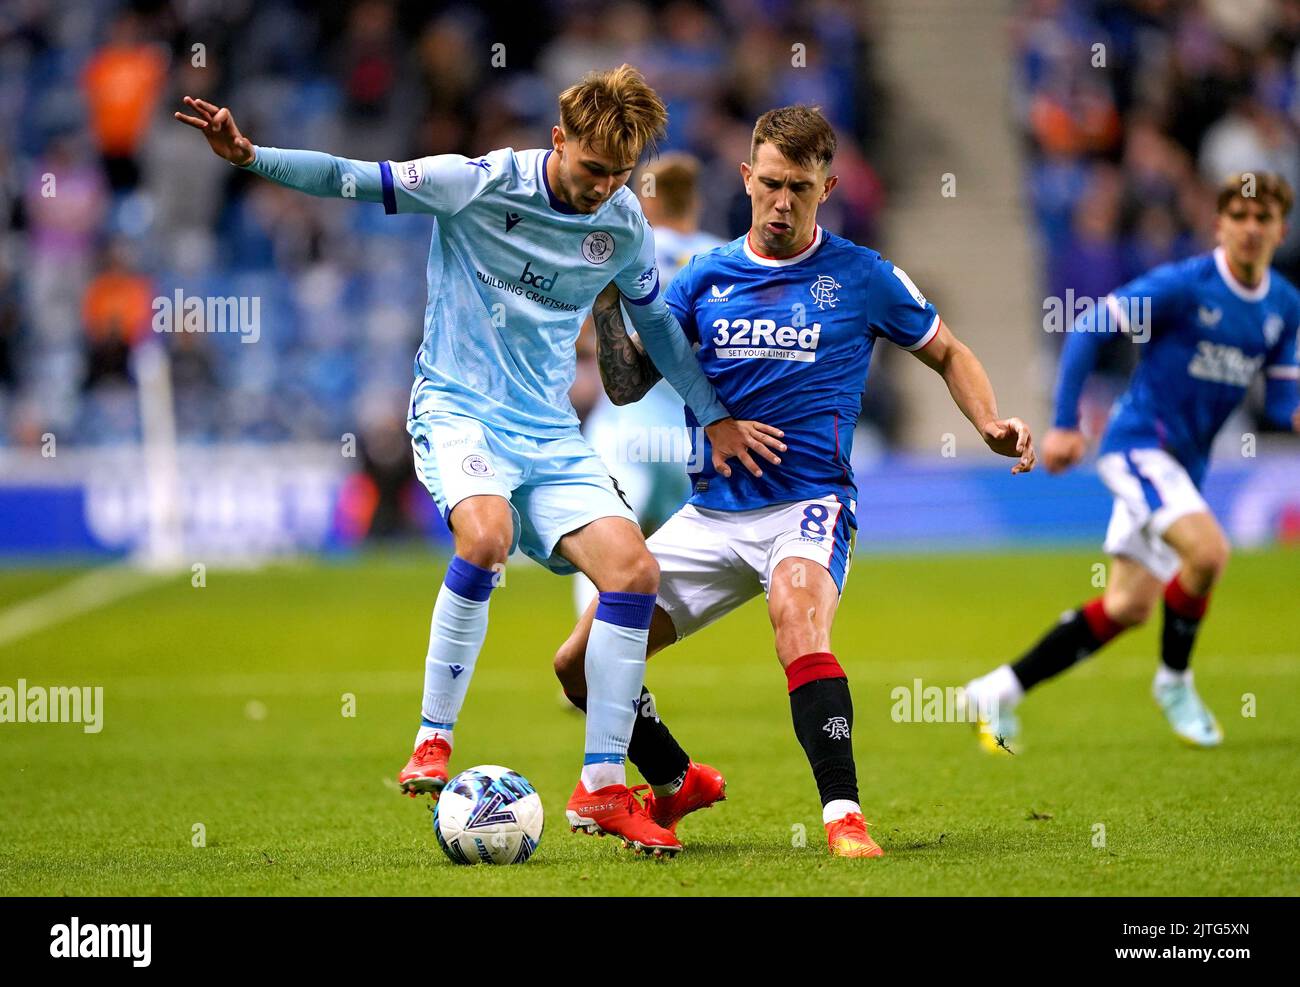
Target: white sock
456, 633
427, 733
584, 591
615, 668
999, 686
838, 809
1168, 676
672, 788
603, 774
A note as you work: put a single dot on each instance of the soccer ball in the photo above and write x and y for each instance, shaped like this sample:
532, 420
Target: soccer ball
489, 815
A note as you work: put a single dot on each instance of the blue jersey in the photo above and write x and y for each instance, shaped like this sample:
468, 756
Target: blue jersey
512, 273
788, 342
1204, 336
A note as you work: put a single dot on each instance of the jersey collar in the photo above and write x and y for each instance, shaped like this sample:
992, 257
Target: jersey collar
1254, 294
803, 254
556, 204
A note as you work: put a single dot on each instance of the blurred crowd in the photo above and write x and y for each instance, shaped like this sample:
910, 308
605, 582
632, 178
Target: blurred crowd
108, 204
1132, 112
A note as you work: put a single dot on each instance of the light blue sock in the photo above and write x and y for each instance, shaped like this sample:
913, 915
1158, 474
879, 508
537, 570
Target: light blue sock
459, 626
615, 667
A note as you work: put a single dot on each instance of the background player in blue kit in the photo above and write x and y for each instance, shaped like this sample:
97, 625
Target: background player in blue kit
785, 319
522, 243
1209, 324
645, 443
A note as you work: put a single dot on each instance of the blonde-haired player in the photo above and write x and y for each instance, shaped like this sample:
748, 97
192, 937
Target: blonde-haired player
522, 243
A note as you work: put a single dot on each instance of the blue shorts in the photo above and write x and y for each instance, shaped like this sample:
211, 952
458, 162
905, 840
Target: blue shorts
553, 485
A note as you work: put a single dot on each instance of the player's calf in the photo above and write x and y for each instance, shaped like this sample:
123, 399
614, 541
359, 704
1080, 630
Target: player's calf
1202, 549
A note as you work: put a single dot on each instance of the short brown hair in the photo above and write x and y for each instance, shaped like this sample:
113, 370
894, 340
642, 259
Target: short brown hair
800, 133
615, 112
1256, 185
675, 176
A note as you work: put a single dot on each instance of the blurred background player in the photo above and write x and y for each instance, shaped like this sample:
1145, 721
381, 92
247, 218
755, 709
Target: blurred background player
786, 318
1208, 325
522, 242
644, 443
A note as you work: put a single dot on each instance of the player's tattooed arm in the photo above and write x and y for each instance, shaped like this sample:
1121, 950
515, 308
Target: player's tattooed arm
625, 369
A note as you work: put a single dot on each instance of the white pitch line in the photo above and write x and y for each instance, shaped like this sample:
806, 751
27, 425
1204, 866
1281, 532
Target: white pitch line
95, 589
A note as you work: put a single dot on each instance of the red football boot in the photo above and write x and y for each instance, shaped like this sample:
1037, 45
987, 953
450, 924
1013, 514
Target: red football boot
615, 809
848, 837
426, 772
702, 786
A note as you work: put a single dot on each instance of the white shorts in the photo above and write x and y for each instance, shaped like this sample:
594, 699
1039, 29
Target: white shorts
1152, 491
710, 562
554, 485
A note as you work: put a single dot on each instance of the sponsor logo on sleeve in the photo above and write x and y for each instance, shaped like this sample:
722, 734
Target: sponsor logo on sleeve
476, 465
1273, 327
410, 174
912, 289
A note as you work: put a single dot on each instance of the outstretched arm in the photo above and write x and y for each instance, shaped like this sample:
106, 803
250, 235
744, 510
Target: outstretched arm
625, 369
973, 393
313, 172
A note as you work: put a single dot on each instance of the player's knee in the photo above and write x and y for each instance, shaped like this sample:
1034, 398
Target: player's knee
484, 547
640, 575
1205, 562
1129, 609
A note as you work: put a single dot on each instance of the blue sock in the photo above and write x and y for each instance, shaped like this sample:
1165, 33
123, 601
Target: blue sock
459, 626
615, 667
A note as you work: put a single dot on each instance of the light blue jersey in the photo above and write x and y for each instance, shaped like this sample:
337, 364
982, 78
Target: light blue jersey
512, 273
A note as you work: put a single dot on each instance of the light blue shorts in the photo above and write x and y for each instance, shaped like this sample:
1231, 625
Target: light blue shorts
554, 485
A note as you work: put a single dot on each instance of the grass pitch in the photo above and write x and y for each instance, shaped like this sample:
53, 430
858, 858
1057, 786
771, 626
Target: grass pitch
224, 725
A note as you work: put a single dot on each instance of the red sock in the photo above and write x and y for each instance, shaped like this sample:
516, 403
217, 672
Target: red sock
811, 667
1102, 626
1183, 603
